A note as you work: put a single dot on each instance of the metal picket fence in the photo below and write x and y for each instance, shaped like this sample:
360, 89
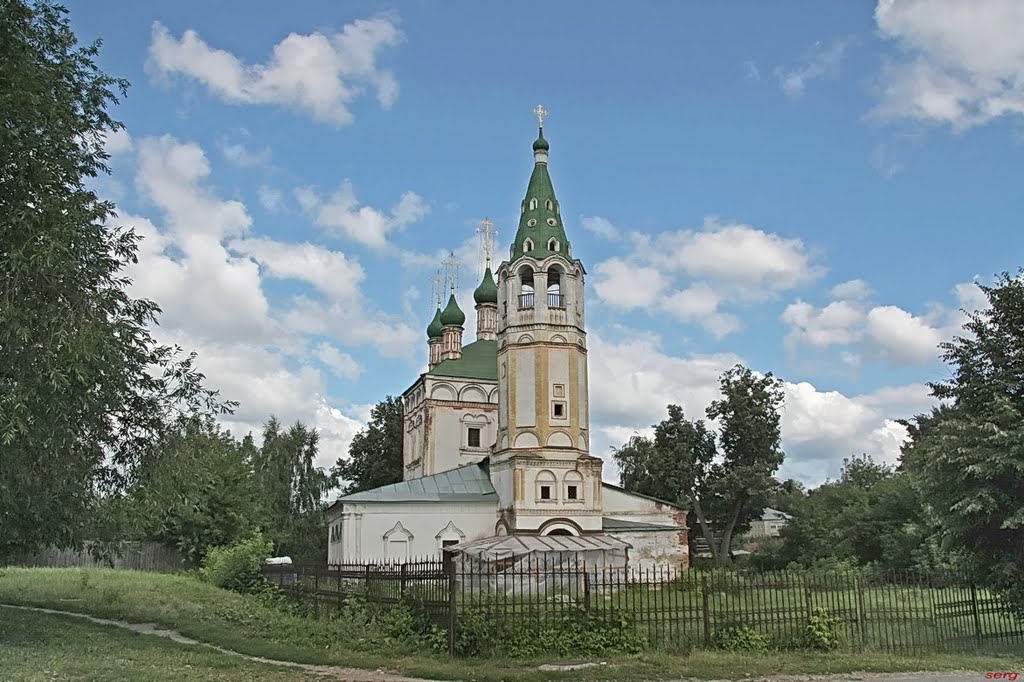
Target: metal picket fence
891, 612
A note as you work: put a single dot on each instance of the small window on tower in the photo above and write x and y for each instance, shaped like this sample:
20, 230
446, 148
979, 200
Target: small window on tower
473, 437
558, 410
559, 390
545, 492
572, 493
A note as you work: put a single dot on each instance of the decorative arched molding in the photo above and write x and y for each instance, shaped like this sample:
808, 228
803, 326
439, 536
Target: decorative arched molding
398, 531
583, 442
500, 529
526, 439
558, 338
449, 533
504, 441
443, 392
472, 394
475, 419
493, 397
560, 439
572, 479
528, 245
524, 338
561, 524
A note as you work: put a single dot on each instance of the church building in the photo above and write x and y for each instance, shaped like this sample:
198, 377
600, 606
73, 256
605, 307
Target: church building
497, 431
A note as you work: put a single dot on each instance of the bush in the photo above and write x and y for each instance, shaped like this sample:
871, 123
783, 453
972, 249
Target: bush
238, 566
739, 638
822, 631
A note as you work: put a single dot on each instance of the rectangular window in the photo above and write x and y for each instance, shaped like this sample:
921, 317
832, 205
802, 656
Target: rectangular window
558, 390
545, 492
449, 543
572, 493
473, 437
558, 410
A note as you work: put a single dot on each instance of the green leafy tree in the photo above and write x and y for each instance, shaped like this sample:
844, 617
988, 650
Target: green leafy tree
871, 515
967, 459
84, 389
681, 463
198, 490
295, 489
375, 455
750, 439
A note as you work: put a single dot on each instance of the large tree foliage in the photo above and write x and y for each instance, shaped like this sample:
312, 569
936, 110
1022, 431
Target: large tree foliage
198, 490
968, 458
871, 515
375, 455
725, 486
294, 488
84, 390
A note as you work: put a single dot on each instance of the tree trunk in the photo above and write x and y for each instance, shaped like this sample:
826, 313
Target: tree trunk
702, 520
730, 526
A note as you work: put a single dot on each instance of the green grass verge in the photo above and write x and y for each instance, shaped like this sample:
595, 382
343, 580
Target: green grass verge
244, 624
39, 646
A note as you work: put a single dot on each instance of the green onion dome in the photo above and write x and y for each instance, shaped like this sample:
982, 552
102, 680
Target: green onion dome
434, 328
540, 143
487, 292
452, 315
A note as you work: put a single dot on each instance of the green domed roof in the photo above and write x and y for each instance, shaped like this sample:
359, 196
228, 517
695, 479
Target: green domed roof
452, 315
540, 142
434, 328
487, 292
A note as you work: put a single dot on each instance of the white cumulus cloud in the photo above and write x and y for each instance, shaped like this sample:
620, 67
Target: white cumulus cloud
321, 74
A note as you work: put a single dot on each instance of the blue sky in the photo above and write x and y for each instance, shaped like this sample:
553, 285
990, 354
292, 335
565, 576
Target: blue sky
808, 188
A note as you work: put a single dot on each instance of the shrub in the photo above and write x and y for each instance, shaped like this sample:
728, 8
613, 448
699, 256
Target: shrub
739, 638
822, 631
238, 566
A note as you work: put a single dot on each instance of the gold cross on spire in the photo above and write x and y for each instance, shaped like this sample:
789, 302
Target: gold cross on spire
437, 287
451, 270
487, 238
541, 113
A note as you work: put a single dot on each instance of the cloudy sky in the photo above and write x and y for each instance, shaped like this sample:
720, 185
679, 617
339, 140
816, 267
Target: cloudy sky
808, 188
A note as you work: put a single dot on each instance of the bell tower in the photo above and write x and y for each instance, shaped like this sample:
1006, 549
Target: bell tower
546, 479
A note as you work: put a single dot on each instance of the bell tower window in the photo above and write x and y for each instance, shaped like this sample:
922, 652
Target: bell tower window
549, 205
555, 297
533, 203
528, 245
553, 244
526, 286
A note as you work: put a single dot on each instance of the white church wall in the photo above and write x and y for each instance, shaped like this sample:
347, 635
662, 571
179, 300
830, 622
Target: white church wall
622, 505
658, 548
400, 531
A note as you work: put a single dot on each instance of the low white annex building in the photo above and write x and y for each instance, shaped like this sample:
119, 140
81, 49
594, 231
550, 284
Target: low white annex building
497, 432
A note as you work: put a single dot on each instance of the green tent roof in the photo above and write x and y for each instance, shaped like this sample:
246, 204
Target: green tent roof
539, 224
479, 361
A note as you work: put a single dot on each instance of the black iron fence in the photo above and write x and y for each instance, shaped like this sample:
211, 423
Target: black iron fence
678, 610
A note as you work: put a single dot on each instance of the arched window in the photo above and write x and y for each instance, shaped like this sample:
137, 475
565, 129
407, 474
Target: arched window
572, 486
547, 487
553, 244
526, 283
533, 203
549, 205
528, 245
555, 297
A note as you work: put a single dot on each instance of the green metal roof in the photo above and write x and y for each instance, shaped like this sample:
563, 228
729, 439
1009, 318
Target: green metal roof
487, 292
465, 484
610, 525
479, 361
452, 314
540, 224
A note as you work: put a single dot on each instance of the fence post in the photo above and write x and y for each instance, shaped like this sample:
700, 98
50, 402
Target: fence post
862, 612
452, 616
974, 612
401, 582
586, 588
705, 603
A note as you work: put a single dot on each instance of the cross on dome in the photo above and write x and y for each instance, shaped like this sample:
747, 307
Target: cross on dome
487, 238
451, 269
541, 113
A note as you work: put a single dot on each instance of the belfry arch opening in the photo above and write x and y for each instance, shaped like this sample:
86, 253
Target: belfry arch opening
556, 299
526, 287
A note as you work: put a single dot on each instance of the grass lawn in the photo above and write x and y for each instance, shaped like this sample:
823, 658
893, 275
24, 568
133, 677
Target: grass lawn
244, 624
39, 646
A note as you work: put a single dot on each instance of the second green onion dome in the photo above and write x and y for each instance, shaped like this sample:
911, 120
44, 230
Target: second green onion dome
434, 328
487, 292
452, 315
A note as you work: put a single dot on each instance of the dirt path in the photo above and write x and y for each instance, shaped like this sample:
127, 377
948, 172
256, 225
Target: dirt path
328, 671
